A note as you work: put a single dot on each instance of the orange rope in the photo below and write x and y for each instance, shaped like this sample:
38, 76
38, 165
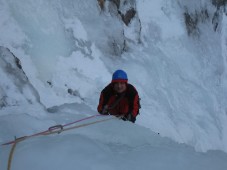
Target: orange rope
12, 151
48, 133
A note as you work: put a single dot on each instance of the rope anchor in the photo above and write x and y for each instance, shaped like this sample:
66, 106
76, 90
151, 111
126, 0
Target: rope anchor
57, 128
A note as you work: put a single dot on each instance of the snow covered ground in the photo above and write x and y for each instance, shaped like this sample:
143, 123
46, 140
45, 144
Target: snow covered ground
67, 52
109, 145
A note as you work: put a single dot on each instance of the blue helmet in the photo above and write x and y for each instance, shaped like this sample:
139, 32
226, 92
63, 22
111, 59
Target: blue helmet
119, 76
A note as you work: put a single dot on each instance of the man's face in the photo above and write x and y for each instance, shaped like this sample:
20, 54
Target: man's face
119, 87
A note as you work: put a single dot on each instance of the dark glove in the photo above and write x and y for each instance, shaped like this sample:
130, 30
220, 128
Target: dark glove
129, 117
124, 118
105, 110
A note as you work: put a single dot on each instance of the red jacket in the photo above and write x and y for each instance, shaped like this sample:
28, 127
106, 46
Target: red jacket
129, 103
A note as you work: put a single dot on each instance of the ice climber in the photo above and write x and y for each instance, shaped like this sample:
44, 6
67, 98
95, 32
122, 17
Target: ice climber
119, 98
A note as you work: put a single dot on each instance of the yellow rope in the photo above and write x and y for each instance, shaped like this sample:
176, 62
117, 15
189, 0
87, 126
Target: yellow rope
11, 156
48, 133
12, 151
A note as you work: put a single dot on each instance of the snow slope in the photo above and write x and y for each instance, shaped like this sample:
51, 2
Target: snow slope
113, 144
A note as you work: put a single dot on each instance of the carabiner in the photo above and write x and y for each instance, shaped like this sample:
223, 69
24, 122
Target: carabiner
56, 128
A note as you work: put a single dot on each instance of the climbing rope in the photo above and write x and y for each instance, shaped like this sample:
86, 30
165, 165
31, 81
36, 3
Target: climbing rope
52, 130
11, 156
53, 127
74, 127
12, 151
